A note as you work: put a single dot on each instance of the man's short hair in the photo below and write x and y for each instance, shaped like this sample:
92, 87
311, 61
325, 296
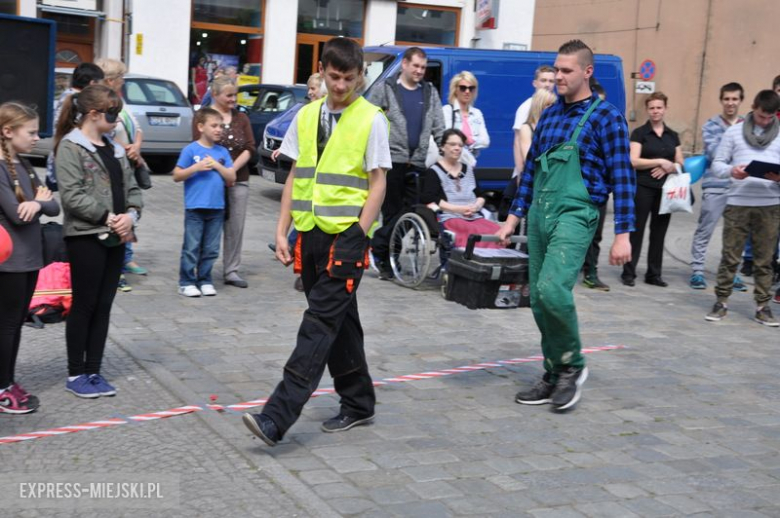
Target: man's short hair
656, 96
584, 54
544, 69
343, 54
775, 83
767, 101
732, 87
84, 74
202, 115
414, 51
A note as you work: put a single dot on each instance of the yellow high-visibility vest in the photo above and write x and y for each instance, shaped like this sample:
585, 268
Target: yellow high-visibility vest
331, 194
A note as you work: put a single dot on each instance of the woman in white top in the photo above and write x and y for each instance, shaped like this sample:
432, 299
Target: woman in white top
464, 88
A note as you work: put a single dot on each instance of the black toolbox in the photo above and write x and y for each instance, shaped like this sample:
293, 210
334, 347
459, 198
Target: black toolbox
487, 277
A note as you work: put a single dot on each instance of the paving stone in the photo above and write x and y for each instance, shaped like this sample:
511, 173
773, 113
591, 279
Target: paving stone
435, 490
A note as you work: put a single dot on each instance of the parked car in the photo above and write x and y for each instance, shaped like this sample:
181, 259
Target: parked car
163, 112
504, 83
269, 102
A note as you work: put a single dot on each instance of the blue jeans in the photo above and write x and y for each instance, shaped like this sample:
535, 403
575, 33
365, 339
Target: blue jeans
292, 238
202, 233
128, 253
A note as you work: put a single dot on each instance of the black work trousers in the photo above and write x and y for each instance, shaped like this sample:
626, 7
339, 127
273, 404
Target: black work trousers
403, 190
647, 202
592, 256
16, 291
94, 276
330, 334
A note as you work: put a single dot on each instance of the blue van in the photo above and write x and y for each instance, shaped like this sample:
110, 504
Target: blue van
504, 83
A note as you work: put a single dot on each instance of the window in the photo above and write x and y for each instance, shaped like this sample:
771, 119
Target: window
332, 17
427, 25
152, 92
7, 6
375, 65
241, 13
274, 101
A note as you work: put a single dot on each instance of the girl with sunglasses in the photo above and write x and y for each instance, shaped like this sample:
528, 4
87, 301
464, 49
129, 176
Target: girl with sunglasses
22, 201
101, 204
450, 188
461, 114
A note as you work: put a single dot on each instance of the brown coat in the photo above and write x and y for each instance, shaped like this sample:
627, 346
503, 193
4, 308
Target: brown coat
236, 138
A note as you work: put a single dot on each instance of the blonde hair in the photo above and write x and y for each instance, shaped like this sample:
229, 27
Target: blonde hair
13, 115
541, 99
317, 77
463, 76
220, 83
112, 68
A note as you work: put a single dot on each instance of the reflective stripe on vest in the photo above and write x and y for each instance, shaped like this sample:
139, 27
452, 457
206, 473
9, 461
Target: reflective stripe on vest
331, 194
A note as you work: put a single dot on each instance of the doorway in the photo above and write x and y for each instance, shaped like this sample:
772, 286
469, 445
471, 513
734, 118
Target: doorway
307, 55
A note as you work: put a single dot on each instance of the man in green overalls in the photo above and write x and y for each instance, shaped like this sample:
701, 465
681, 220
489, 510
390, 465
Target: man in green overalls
579, 154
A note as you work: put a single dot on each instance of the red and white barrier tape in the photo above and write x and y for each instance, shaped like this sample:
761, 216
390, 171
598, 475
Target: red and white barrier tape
184, 410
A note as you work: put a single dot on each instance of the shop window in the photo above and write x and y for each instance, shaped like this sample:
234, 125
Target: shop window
242, 13
211, 50
7, 6
427, 25
332, 17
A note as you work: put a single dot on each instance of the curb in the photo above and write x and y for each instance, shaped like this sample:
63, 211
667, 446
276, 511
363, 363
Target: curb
287, 483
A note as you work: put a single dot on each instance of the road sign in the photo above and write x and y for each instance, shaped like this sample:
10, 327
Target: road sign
645, 87
647, 69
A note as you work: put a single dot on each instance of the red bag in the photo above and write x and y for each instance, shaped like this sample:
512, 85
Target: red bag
53, 297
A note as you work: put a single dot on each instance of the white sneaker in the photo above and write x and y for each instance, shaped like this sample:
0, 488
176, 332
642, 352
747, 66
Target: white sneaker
208, 290
189, 291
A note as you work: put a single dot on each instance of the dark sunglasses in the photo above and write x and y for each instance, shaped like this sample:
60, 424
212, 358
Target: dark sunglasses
111, 114
464, 88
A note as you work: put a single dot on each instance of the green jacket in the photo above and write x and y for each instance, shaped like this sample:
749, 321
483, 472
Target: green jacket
85, 187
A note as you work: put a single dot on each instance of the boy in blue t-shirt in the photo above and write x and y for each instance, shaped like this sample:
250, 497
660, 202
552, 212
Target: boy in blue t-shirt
205, 167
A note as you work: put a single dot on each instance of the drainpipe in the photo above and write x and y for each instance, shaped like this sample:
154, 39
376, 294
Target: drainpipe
701, 75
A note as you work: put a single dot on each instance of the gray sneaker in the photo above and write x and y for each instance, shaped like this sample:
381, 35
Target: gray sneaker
718, 312
764, 316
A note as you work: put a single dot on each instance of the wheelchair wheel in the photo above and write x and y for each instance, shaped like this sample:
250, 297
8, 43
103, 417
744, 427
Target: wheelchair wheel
411, 248
446, 287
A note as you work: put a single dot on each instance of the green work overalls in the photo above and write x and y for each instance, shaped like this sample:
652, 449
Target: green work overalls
561, 222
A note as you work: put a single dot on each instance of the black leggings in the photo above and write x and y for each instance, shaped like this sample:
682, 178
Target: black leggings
17, 291
94, 272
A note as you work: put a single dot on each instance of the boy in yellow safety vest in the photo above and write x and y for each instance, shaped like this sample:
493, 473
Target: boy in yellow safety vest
334, 192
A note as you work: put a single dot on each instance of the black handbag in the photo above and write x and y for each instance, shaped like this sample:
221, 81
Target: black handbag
143, 177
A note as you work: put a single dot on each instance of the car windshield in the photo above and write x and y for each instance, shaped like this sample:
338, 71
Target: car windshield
376, 63
152, 92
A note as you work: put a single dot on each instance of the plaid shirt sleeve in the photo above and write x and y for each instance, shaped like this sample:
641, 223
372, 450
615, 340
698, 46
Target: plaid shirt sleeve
614, 143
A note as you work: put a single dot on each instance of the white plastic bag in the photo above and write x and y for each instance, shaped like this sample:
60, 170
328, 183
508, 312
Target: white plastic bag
676, 195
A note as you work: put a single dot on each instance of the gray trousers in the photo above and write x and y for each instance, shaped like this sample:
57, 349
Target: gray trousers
712, 205
233, 234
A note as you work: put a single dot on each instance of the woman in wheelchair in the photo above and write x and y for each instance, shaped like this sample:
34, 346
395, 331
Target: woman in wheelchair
450, 189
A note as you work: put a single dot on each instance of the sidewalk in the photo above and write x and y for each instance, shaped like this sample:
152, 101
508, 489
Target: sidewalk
682, 421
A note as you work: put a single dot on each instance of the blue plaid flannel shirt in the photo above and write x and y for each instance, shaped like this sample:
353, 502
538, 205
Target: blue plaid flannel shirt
604, 157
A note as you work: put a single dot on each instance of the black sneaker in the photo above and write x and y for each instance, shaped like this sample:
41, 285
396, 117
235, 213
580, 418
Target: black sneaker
568, 389
593, 282
263, 427
539, 394
342, 423
747, 268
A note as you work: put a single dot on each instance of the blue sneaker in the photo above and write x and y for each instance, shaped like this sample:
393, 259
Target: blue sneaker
83, 387
739, 285
697, 282
103, 387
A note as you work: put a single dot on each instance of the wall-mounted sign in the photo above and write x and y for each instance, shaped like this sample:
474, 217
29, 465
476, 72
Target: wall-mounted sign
487, 14
139, 44
87, 5
647, 70
645, 87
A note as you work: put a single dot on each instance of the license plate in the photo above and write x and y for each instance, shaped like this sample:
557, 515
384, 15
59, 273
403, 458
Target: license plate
163, 121
269, 175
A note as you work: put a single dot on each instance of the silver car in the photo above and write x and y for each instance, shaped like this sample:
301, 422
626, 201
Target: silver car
163, 112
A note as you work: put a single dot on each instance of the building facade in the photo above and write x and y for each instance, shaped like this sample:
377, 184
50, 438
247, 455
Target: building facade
689, 50
279, 41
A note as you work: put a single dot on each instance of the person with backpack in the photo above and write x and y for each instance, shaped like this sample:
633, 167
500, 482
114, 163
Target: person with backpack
23, 199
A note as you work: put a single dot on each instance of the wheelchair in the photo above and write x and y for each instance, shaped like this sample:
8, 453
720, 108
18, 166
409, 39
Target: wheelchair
417, 238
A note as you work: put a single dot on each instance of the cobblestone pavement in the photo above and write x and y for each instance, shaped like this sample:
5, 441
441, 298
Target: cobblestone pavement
684, 421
